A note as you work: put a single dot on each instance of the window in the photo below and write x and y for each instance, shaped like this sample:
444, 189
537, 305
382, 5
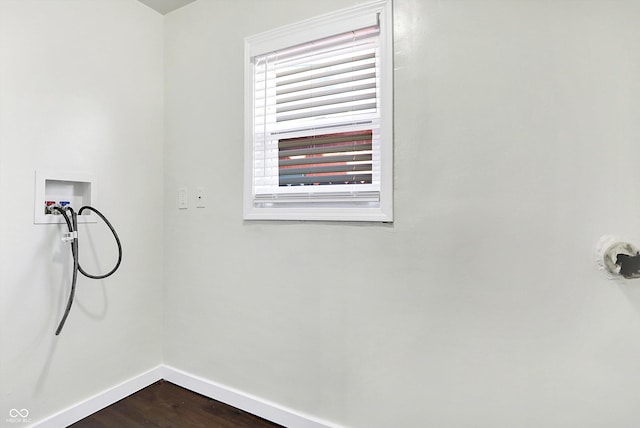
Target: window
318, 118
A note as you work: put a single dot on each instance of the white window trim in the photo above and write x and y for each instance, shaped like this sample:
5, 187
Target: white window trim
313, 29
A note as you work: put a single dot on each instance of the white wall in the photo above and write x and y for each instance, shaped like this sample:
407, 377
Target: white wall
81, 89
516, 148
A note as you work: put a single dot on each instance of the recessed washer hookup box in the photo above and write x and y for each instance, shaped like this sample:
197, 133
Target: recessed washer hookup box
62, 188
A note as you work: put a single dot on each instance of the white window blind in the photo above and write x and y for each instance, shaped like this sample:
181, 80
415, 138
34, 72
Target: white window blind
316, 119
315, 124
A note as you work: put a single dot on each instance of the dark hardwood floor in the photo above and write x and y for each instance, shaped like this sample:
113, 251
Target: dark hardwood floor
166, 405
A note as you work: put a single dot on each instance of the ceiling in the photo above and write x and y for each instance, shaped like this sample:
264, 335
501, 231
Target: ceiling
165, 6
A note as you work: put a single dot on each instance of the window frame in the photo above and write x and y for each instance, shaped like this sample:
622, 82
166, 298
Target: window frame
302, 32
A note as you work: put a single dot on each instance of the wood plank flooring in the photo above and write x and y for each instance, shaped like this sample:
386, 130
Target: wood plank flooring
166, 405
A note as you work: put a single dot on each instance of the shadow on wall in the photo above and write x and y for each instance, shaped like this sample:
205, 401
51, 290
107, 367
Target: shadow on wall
94, 311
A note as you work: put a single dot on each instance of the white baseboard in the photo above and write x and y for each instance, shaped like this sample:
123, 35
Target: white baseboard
100, 401
241, 400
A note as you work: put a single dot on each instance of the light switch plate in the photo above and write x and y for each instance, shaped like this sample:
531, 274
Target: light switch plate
183, 198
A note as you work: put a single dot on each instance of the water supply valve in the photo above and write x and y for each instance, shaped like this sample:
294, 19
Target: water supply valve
49, 207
